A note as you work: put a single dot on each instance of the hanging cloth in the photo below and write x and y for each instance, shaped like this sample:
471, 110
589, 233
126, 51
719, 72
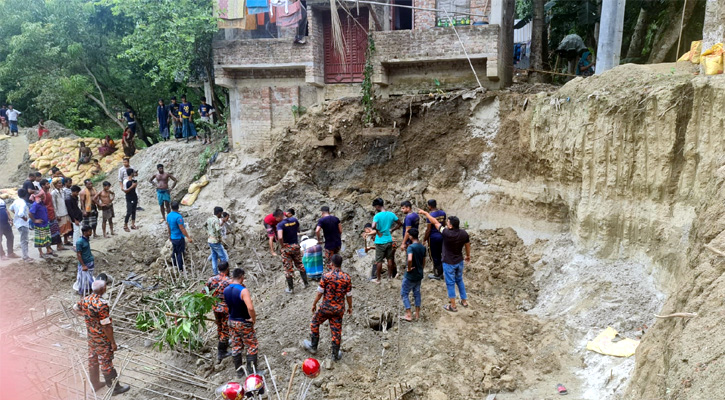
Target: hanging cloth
257, 6
291, 17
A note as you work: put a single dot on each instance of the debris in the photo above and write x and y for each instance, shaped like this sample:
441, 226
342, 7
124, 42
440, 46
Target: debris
678, 315
561, 389
604, 344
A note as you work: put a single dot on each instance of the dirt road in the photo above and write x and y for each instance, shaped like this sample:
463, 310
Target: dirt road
12, 151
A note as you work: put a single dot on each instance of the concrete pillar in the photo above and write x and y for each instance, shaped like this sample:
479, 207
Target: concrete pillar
713, 28
611, 25
502, 14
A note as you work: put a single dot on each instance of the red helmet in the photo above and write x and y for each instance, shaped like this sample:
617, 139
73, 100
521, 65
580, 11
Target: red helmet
253, 385
232, 391
311, 368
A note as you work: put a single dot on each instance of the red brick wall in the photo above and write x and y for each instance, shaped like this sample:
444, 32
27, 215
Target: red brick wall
424, 19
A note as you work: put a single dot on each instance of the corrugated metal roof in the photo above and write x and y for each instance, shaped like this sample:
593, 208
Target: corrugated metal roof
522, 35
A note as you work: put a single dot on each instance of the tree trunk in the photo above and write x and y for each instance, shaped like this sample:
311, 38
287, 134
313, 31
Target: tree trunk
667, 35
105, 110
640, 33
538, 34
140, 131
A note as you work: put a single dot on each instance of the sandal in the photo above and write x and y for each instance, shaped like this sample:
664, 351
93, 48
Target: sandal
406, 319
464, 305
135, 227
561, 389
125, 228
448, 308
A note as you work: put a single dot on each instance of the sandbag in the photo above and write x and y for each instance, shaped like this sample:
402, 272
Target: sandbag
712, 64
685, 57
197, 185
695, 50
190, 198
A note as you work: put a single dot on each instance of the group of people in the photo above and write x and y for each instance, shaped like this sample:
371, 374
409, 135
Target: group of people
9, 119
179, 119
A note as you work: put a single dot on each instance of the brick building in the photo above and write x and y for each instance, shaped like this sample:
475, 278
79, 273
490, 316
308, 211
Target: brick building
267, 74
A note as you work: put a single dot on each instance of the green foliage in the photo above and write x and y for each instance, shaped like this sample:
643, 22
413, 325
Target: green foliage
221, 144
297, 111
368, 92
98, 178
100, 132
187, 324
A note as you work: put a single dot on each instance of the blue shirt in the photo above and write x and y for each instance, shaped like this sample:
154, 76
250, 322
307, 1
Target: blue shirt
162, 113
174, 219
330, 226
383, 221
412, 220
289, 227
174, 109
204, 110
129, 117
186, 109
237, 307
440, 215
4, 219
83, 246
39, 212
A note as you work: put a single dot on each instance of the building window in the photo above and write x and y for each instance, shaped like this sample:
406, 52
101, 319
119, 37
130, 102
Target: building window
402, 17
456, 9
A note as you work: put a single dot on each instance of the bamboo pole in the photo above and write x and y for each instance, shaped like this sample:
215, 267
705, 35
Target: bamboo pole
291, 379
682, 23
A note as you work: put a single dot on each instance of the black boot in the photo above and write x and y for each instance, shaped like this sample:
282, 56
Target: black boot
303, 274
311, 345
222, 351
238, 365
95, 378
252, 365
120, 387
336, 353
290, 285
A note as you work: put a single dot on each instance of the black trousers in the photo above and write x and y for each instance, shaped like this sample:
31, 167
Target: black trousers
6, 231
131, 209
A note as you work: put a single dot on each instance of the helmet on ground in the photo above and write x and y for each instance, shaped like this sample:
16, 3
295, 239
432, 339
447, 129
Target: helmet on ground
311, 368
232, 391
253, 385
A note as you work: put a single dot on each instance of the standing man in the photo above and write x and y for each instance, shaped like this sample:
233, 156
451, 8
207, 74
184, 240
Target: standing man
74, 212
39, 214
215, 287
186, 113
29, 186
163, 191
214, 232
175, 119
435, 240
162, 119
123, 176
177, 233
12, 115
413, 274
86, 262
104, 198
61, 211
130, 119
331, 226
21, 221
287, 232
242, 318
131, 200
101, 343
454, 240
89, 206
270, 225
335, 287
6, 229
412, 220
205, 112
381, 228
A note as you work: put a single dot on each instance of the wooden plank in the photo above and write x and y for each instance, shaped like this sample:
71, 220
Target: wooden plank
380, 132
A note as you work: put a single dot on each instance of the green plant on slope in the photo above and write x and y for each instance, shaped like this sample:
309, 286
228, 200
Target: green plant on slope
368, 93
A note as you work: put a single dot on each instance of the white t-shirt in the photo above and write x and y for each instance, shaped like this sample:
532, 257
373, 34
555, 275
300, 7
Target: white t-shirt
13, 115
20, 209
122, 175
305, 244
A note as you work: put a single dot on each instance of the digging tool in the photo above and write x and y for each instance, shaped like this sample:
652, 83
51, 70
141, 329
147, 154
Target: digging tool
291, 379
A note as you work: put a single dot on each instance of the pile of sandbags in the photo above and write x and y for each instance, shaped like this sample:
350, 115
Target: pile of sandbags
63, 153
710, 59
194, 190
10, 193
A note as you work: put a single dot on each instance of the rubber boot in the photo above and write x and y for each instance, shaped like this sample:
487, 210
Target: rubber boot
238, 365
120, 387
311, 345
303, 274
252, 365
336, 353
222, 351
290, 285
95, 378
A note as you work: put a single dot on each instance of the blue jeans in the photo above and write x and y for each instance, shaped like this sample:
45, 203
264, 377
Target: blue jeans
405, 293
217, 254
454, 276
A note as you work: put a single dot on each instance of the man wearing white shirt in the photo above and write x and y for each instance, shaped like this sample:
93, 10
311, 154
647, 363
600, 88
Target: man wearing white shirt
20, 220
12, 115
123, 176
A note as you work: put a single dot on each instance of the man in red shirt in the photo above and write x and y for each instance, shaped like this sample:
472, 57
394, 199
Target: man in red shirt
270, 224
335, 287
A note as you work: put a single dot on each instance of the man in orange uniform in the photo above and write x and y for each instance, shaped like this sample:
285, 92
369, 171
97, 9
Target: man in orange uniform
216, 286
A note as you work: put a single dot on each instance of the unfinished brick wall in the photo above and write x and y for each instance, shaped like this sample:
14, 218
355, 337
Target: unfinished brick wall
260, 51
424, 19
435, 43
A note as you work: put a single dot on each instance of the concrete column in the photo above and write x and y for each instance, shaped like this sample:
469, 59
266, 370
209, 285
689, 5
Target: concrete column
502, 14
611, 25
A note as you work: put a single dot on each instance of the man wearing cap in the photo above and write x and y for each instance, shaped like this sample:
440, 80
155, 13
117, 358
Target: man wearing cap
331, 226
287, 232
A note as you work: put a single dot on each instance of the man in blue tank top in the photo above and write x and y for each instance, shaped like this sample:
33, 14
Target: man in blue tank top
435, 240
241, 323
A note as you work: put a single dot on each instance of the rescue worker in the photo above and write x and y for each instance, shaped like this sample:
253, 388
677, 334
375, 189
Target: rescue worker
101, 344
287, 234
216, 286
335, 287
241, 323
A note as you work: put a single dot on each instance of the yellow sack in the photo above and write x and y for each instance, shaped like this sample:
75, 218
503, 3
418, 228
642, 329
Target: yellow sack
603, 344
685, 57
715, 49
712, 64
190, 198
196, 186
695, 50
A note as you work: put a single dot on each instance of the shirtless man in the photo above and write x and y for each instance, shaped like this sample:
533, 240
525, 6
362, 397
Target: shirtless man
163, 191
88, 206
104, 199
84, 155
